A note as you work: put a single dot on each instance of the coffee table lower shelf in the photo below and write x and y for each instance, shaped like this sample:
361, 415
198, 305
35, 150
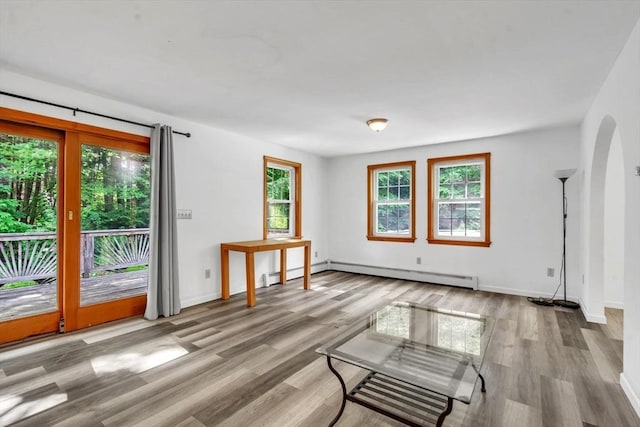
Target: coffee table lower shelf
408, 404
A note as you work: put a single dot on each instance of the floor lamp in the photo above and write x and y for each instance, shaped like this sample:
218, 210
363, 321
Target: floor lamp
563, 176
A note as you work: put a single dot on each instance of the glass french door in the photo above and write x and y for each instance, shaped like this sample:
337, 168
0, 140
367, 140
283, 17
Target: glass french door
110, 268
74, 237
30, 226
114, 246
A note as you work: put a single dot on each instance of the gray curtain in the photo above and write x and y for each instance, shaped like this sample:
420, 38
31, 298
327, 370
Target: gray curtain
163, 296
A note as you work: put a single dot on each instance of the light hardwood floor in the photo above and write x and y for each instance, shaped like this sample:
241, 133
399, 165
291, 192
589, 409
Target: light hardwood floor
223, 364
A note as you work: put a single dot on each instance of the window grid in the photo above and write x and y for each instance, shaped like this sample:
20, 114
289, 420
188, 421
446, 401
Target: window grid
391, 207
460, 200
279, 199
282, 186
458, 209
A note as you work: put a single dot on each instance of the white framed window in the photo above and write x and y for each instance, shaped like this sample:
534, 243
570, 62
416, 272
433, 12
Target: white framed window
391, 202
281, 198
459, 190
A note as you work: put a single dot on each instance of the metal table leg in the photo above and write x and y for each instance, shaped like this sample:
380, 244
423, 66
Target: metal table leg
344, 393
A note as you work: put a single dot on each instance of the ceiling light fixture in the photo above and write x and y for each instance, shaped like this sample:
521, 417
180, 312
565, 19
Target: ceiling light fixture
377, 125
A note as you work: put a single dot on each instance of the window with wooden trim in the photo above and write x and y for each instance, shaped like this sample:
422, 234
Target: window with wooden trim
282, 198
459, 200
391, 202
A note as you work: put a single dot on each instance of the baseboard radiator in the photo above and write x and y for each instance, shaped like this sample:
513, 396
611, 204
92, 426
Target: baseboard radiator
273, 277
470, 282
461, 281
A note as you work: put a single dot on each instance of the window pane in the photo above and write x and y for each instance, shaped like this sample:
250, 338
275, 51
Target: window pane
393, 178
383, 193
278, 184
458, 216
405, 177
444, 209
473, 173
459, 191
392, 224
445, 191
278, 217
383, 179
445, 175
459, 173
405, 192
115, 195
394, 218
28, 226
393, 193
473, 190
444, 218
404, 218
473, 219
382, 218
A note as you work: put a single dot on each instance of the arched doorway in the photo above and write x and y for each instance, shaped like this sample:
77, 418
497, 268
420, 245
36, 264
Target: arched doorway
606, 247
614, 236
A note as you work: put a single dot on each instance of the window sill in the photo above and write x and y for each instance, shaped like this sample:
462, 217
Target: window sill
392, 239
459, 242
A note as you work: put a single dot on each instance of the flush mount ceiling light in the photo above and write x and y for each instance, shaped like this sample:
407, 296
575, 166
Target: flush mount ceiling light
377, 125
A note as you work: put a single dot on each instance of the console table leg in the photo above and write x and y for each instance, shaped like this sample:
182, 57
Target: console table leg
224, 272
344, 393
251, 279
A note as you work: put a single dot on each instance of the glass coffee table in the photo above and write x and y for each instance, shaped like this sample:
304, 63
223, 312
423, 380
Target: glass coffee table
419, 360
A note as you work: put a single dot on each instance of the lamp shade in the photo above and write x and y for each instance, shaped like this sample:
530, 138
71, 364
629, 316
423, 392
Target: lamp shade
564, 173
378, 124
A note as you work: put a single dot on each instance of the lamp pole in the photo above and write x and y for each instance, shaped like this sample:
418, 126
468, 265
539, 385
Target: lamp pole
563, 302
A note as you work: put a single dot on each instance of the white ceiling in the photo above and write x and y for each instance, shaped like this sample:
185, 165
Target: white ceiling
308, 74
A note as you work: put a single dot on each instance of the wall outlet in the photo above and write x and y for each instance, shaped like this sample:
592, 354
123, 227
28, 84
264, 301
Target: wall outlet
551, 272
418, 260
316, 254
183, 214
207, 273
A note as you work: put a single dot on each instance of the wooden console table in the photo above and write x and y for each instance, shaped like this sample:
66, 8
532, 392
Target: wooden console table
252, 246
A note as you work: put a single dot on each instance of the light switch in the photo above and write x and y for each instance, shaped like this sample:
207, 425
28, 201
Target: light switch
184, 214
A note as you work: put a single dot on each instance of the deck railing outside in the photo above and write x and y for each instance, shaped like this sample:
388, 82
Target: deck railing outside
33, 256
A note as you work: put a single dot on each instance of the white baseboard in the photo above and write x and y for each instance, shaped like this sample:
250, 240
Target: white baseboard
631, 394
522, 293
590, 316
614, 304
189, 302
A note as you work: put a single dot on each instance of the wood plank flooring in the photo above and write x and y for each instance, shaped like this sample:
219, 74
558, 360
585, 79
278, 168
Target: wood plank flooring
224, 364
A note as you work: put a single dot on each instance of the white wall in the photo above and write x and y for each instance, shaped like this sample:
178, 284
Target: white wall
617, 102
526, 214
613, 232
219, 177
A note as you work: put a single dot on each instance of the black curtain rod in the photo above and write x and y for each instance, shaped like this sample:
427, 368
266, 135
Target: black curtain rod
80, 110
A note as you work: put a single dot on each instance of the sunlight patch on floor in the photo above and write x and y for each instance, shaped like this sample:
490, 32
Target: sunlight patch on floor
14, 408
136, 362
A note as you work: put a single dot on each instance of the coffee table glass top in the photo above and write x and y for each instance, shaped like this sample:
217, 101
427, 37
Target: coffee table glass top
431, 348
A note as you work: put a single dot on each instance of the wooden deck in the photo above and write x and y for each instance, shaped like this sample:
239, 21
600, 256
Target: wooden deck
22, 302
